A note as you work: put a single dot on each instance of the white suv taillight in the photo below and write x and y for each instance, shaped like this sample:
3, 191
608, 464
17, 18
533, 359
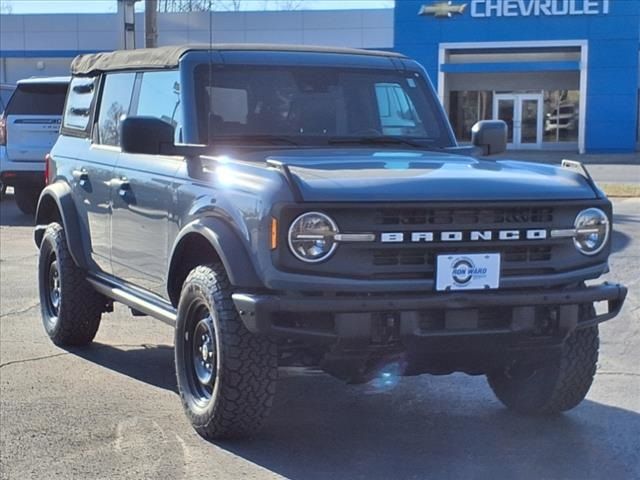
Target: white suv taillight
3, 131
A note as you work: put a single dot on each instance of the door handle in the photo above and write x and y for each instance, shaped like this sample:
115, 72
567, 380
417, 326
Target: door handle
122, 184
80, 176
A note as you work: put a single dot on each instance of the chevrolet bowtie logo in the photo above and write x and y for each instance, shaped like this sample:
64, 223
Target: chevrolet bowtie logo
442, 9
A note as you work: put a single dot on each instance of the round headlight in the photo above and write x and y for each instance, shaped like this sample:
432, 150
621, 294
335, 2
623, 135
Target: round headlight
591, 231
311, 237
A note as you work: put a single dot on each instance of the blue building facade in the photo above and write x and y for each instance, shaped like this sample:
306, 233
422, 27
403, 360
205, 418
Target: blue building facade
563, 74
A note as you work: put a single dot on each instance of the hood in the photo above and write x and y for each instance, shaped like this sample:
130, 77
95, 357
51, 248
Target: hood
343, 175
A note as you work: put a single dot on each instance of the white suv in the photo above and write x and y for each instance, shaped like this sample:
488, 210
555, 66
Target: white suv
563, 119
29, 127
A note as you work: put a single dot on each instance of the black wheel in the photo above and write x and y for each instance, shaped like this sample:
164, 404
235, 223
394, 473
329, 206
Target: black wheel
226, 375
557, 387
26, 199
71, 308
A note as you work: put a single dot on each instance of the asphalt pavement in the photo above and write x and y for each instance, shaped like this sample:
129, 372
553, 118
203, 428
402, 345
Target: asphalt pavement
111, 410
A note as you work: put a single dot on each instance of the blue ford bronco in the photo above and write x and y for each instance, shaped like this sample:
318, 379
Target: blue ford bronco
298, 206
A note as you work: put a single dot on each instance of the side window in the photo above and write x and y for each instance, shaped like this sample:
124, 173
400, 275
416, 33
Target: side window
397, 113
114, 105
78, 108
160, 97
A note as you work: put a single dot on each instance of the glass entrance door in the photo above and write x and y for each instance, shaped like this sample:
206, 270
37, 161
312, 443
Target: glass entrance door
522, 112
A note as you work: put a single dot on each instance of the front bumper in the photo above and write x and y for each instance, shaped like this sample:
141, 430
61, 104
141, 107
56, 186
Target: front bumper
429, 315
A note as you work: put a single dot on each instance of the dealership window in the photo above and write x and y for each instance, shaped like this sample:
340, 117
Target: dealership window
466, 108
540, 106
561, 116
560, 121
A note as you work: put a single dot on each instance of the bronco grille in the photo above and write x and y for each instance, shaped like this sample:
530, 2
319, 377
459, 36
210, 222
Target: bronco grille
398, 254
427, 256
469, 216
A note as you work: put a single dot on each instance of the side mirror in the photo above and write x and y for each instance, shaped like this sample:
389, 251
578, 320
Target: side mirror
147, 135
490, 136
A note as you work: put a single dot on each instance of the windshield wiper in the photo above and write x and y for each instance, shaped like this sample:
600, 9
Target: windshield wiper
376, 141
253, 140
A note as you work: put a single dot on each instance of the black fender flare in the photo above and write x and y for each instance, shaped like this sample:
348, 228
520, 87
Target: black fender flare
58, 196
227, 245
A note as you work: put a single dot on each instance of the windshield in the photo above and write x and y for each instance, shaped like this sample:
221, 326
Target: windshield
311, 105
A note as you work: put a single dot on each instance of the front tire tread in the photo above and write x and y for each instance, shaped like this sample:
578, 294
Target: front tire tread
248, 370
555, 388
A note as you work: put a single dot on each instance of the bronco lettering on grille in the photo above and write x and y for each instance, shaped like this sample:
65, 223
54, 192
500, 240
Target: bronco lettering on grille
461, 236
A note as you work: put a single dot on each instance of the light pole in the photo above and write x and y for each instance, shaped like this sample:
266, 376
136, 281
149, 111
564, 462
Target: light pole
150, 23
126, 11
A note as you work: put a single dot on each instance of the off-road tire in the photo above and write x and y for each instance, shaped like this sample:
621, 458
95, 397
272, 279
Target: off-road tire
245, 367
26, 199
76, 319
557, 387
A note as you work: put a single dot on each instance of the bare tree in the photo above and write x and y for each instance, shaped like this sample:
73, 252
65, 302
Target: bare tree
289, 4
178, 6
199, 5
181, 6
229, 5
110, 129
5, 7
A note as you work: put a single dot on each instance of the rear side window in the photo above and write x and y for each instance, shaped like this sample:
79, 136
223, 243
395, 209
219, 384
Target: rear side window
114, 106
78, 108
160, 97
38, 99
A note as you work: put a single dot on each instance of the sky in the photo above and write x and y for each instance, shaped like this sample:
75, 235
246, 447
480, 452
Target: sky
96, 6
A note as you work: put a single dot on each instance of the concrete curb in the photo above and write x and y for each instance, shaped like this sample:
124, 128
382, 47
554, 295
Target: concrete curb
555, 157
621, 190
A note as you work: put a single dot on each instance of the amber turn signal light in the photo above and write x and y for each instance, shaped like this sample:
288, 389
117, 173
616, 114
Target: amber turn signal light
274, 233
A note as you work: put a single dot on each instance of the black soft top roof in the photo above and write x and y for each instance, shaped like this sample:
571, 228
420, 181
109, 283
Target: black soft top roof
168, 57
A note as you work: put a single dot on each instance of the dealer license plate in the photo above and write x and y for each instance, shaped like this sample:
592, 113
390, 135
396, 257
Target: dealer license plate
459, 271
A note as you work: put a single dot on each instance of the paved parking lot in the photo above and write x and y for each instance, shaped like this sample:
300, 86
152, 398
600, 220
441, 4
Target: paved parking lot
111, 410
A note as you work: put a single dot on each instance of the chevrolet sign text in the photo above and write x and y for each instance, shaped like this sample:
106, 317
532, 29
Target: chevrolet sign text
528, 8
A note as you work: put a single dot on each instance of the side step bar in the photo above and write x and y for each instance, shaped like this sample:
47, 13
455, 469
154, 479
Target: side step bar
156, 308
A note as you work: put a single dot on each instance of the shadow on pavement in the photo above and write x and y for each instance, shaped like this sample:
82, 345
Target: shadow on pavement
433, 428
619, 241
152, 364
11, 216
426, 427
623, 218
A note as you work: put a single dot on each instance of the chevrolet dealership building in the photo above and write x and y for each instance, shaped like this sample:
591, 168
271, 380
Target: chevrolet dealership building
563, 74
